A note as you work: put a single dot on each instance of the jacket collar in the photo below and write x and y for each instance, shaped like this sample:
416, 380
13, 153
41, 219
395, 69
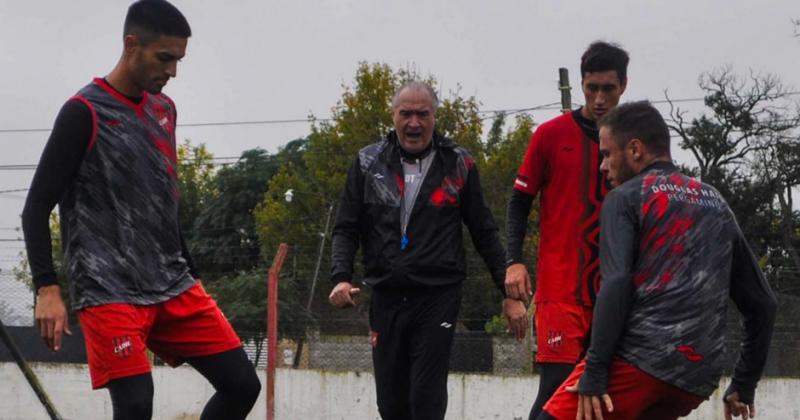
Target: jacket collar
439, 141
391, 154
661, 165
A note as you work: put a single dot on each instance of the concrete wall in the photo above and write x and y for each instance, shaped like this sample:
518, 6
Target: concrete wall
311, 394
180, 394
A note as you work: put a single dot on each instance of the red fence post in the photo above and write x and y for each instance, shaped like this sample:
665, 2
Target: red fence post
272, 325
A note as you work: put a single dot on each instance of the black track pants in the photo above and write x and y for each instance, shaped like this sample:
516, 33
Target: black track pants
412, 334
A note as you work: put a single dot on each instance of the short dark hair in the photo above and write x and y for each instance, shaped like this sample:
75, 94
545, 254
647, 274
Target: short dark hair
149, 19
605, 56
638, 120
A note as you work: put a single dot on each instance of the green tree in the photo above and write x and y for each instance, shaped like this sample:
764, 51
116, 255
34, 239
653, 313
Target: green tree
458, 118
195, 181
293, 222
361, 117
243, 296
22, 271
223, 238
746, 116
777, 169
747, 148
226, 247
504, 155
495, 134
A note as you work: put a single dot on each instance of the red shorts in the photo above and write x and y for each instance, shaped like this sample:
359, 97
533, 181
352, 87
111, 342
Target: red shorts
562, 331
188, 325
634, 395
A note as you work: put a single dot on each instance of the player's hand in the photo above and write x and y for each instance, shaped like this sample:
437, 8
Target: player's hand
736, 408
590, 407
342, 295
518, 282
517, 317
51, 316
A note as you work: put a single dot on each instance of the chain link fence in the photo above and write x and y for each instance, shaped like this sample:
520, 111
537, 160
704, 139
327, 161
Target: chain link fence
473, 352
480, 352
16, 301
314, 335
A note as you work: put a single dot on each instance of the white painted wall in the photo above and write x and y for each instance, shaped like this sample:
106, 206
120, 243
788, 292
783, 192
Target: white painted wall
322, 395
310, 394
180, 394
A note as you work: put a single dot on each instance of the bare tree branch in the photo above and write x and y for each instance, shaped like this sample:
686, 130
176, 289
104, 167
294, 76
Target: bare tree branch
679, 127
748, 114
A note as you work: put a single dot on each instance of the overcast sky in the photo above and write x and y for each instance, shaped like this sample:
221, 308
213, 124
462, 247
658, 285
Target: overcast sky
256, 60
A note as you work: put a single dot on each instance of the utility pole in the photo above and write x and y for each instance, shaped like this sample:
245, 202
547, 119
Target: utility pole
564, 87
322, 235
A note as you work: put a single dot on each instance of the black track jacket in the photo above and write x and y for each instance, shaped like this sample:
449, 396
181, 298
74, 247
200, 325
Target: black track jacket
369, 216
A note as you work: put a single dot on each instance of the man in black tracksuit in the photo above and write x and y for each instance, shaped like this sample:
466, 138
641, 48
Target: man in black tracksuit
404, 203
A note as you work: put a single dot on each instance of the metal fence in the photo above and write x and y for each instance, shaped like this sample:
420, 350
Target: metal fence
480, 352
474, 352
16, 301
339, 340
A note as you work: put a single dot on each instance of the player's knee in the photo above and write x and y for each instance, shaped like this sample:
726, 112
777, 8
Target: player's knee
250, 388
137, 406
132, 397
245, 388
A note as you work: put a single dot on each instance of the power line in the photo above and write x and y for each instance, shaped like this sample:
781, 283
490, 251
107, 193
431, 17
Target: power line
665, 101
227, 160
254, 122
26, 167
12, 197
202, 124
508, 112
297, 120
215, 161
550, 106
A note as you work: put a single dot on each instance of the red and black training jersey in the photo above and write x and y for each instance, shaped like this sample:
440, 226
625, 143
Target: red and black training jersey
671, 254
562, 163
118, 200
